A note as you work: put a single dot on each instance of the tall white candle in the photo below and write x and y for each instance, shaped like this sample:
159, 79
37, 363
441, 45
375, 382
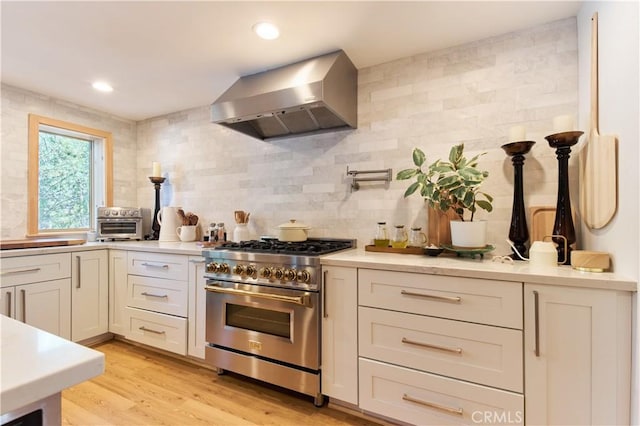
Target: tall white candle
563, 123
517, 134
156, 170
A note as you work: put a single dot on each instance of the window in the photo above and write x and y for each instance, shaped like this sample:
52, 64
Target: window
70, 175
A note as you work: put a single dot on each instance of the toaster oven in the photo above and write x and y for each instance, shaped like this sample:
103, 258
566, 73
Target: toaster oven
120, 223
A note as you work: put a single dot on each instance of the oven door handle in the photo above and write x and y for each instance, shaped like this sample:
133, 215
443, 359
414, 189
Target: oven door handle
298, 300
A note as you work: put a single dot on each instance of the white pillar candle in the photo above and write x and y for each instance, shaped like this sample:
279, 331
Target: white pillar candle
563, 123
156, 170
517, 134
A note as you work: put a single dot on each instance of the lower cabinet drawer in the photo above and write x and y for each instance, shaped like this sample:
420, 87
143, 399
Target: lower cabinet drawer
426, 399
157, 294
161, 331
33, 269
476, 353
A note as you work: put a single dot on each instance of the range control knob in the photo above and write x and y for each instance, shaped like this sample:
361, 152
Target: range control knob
304, 276
239, 269
278, 274
251, 271
289, 274
223, 268
212, 267
266, 272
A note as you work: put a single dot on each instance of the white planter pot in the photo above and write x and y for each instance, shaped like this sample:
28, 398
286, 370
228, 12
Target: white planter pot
469, 234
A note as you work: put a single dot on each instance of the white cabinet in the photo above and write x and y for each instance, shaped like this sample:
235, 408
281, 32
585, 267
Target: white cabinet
196, 340
340, 334
577, 355
89, 294
117, 291
46, 305
440, 350
156, 300
37, 290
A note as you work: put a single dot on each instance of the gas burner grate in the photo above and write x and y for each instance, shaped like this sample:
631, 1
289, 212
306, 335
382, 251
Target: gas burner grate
309, 247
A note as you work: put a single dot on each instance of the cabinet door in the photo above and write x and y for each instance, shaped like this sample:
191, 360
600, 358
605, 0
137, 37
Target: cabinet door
577, 355
340, 333
46, 305
89, 294
197, 306
118, 321
8, 301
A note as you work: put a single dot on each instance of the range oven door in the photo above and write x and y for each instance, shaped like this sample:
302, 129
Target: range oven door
275, 323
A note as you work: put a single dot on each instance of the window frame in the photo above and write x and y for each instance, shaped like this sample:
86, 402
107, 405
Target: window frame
33, 202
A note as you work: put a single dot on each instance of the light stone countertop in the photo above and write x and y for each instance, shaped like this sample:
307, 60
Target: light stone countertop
441, 265
477, 268
191, 249
36, 364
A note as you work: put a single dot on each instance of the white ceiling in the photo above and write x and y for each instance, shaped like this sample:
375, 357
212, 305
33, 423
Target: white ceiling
165, 56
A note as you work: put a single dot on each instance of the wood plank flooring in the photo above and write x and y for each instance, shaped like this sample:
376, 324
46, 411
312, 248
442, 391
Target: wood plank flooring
143, 387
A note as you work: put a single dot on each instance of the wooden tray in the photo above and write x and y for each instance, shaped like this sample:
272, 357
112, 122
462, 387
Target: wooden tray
408, 250
37, 243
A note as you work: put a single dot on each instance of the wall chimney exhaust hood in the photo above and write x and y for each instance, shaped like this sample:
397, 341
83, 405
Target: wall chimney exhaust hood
311, 96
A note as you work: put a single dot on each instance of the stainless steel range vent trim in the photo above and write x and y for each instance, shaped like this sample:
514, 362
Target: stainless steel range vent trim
308, 97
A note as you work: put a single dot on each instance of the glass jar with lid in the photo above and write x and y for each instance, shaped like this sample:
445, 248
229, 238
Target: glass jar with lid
399, 238
381, 238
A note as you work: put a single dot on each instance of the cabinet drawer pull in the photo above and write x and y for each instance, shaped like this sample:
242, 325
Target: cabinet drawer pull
153, 265
433, 296
21, 271
9, 294
196, 261
79, 266
324, 295
432, 346
450, 410
143, 328
159, 296
536, 312
24, 305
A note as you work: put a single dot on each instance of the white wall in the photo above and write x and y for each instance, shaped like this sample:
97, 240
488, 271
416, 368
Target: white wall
17, 104
619, 74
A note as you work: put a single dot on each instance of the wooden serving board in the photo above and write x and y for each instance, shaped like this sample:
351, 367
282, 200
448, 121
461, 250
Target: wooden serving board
38, 243
542, 221
407, 250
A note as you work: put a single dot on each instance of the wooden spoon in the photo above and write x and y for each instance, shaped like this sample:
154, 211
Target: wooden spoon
180, 213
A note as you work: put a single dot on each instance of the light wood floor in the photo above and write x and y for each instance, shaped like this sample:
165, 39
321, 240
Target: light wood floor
142, 387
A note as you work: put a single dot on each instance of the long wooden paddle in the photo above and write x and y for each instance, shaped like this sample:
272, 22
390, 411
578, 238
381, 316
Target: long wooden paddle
598, 165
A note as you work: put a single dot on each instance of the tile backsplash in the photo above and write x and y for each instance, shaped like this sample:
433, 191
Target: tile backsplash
469, 94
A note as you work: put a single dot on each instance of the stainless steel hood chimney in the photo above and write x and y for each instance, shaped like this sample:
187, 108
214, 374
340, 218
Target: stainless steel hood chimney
311, 96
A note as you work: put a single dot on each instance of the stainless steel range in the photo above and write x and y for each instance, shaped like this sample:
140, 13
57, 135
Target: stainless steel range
263, 310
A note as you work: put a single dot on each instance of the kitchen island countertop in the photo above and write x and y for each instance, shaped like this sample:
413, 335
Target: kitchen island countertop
479, 268
37, 364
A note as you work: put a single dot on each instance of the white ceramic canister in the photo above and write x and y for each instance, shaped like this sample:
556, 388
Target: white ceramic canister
241, 233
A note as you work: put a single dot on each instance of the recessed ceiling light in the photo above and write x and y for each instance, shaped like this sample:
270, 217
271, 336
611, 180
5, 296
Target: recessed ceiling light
102, 86
266, 30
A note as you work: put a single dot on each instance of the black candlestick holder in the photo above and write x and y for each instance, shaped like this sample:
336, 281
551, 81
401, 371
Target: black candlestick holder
155, 228
518, 231
563, 224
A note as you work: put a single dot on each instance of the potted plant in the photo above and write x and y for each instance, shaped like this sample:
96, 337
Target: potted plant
452, 185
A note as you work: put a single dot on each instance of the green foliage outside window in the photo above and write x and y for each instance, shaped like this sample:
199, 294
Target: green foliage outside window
64, 182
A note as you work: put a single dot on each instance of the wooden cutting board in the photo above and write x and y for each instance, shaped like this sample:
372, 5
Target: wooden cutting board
38, 243
598, 159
